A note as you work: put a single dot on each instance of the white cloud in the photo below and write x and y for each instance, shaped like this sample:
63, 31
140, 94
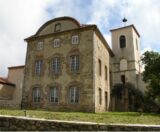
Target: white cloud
22, 18
146, 16
101, 12
146, 49
19, 19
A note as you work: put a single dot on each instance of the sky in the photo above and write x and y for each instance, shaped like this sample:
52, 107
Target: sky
20, 19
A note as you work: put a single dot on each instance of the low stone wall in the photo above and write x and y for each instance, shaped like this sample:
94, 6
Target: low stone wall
11, 123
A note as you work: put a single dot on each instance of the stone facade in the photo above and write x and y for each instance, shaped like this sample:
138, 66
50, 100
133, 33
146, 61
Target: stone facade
90, 48
11, 123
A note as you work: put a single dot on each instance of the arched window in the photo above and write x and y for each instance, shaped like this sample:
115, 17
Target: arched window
122, 41
36, 95
54, 95
57, 27
99, 67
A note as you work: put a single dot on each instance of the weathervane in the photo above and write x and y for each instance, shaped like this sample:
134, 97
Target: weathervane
125, 5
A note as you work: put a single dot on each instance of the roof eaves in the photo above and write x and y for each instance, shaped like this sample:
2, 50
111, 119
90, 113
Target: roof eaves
16, 67
127, 27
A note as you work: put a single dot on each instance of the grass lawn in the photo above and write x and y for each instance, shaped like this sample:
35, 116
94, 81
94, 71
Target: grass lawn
107, 117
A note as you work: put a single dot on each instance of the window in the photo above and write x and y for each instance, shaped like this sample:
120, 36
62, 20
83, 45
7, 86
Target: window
39, 45
106, 72
136, 44
100, 96
106, 100
74, 95
122, 40
99, 66
74, 63
54, 93
56, 43
56, 65
36, 95
75, 39
57, 27
38, 67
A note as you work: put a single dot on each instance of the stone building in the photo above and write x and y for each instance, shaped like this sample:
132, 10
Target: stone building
11, 88
70, 66
67, 67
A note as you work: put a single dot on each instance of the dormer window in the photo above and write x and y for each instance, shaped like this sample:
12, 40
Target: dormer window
122, 41
75, 39
57, 27
56, 43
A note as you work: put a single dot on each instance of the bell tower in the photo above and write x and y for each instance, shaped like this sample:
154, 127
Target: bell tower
125, 66
126, 48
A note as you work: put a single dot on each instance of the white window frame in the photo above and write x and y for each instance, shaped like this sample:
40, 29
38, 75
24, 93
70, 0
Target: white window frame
56, 63
74, 63
40, 45
36, 95
38, 67
74, 95
54, 95
56, 43
75, 39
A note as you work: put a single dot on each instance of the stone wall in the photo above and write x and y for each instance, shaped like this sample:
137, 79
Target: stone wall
82, 79
101, 81
6, 92
11, 123
9, 104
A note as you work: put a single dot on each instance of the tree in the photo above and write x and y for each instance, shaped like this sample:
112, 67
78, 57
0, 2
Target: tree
151, 74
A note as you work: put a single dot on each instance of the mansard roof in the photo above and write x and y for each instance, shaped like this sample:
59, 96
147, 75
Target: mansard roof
79, 27
58, 19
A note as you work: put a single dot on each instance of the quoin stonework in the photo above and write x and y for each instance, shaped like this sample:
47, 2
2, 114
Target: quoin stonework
70, 67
